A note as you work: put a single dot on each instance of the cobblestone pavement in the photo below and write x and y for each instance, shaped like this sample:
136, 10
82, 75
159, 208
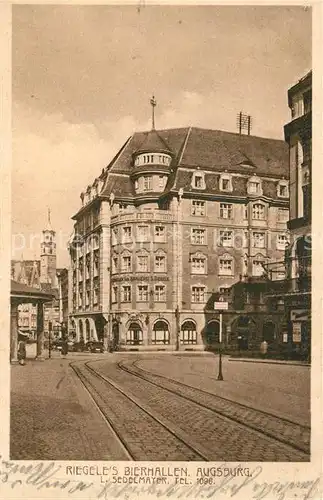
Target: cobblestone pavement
145, 438
224, 440
280, 429
52, 417
283, 390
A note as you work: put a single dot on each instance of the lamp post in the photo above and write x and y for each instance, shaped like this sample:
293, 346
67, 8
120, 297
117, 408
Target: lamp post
49, 339
220, 305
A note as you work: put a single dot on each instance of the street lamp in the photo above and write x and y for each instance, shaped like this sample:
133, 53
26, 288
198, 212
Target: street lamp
220, 305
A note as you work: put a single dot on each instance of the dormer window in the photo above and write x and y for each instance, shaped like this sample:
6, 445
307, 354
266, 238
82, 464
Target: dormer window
198, 181
226, 183
254, 186
282, 189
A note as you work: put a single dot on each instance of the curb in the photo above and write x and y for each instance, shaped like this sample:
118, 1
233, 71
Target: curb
270, 362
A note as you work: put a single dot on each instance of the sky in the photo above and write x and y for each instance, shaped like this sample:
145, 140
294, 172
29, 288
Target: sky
83, 77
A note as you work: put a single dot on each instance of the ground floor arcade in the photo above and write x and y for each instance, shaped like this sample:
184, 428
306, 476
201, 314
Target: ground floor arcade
185, 330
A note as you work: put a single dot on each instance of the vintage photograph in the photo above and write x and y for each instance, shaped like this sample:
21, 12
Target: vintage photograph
160, 302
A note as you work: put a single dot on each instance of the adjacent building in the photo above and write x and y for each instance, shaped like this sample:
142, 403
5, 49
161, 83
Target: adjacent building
295, 291
43, 275
177, 217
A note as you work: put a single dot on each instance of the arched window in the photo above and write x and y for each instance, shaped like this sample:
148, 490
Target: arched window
160, 333
134, 334
188, 334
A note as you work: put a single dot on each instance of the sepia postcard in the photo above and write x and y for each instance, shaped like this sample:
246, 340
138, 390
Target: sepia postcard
160, 212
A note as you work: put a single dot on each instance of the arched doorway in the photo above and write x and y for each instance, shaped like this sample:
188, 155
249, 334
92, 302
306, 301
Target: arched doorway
87, 330
81, 332
188, 334
268, 332
212, 332
244, 329
160, 333
134, 334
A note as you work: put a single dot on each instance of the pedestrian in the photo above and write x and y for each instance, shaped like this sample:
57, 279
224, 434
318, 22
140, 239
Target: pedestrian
64, 350
22, 352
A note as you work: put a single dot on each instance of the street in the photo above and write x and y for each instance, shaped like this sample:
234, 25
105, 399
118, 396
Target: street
159, 407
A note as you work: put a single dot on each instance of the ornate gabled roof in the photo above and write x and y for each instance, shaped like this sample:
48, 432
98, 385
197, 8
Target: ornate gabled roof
153, 143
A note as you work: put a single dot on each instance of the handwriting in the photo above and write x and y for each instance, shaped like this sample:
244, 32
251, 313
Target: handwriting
48, 475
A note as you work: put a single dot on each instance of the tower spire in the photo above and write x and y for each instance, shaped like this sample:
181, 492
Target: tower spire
153, 103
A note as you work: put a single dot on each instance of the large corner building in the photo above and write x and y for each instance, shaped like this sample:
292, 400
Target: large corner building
177, 216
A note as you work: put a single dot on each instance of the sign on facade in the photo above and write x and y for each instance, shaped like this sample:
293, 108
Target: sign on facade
297, 332
222, 306
300, 315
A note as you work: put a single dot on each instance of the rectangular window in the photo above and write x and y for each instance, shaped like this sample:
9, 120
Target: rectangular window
126, 233
161, 181
142, 295
114, 297
225, 267
147, 183
81, 299
160, 263
95, 264
160, 233
114, 236
188, 336
283, 215
160, 293
198, 182
142, 263
258, 240
254, 187
95, 295
198, 236
143, 233
198, 265
198, 207
226, 210
258, 211
226, 238
245, 212
160, 337
225, 185
224, 292
126, 264
126, 293
282, 241
114, 265
198, 294
134, 336
283, 191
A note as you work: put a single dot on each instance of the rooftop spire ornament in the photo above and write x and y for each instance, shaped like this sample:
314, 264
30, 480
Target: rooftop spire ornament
153, 103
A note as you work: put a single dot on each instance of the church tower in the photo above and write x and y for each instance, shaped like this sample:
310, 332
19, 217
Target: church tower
48, 256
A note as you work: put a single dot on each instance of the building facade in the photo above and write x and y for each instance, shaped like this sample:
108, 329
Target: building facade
43, 275
295, 291
178, 216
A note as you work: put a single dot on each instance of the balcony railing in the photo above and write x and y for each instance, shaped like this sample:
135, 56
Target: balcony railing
151, 215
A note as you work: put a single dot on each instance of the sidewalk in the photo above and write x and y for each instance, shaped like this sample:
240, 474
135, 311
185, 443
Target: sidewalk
52, 416
271, 361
